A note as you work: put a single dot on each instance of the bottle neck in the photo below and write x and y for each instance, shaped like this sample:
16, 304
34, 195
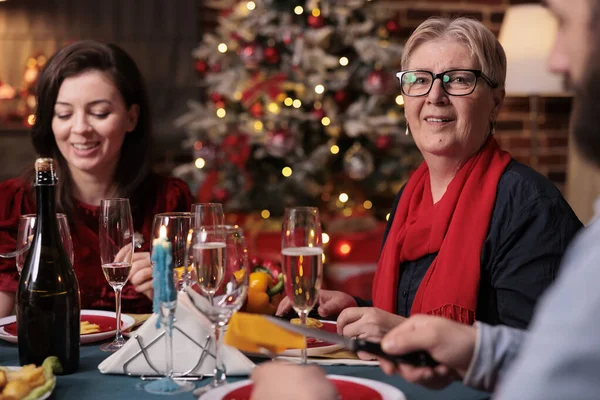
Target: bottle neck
46, 208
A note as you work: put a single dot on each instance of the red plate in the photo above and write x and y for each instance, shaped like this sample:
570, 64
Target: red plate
346, 389
313, 343
105, 324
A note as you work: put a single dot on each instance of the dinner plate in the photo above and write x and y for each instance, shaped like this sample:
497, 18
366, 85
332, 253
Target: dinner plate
106, 320
316, 347
348, 387
44, 396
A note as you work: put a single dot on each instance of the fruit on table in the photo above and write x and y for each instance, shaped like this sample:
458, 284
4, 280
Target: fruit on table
265, 289
29, 382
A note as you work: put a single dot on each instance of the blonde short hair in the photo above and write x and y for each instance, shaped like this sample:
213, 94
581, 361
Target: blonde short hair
472, 34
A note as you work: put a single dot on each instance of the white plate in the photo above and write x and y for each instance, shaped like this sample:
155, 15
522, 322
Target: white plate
92, 316
387, 392
314, 351
45, 396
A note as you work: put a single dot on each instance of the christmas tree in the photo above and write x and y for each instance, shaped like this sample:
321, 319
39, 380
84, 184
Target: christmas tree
300, 107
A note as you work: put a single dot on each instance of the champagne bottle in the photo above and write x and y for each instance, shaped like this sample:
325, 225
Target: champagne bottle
48, 303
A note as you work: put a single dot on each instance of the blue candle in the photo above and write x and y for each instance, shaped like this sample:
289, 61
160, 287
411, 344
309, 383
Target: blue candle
162, 273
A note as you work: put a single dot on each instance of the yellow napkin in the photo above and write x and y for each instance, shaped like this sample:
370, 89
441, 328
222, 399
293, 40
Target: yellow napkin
253, 332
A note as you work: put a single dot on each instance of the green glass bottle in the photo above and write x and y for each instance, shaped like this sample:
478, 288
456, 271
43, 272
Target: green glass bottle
48, 303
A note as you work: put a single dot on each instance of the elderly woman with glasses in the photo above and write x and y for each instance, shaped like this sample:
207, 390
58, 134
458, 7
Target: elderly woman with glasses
473, 234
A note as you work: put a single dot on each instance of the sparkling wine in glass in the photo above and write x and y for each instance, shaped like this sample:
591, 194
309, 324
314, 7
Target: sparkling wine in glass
302, 253
26, 231
116, 254
220, 259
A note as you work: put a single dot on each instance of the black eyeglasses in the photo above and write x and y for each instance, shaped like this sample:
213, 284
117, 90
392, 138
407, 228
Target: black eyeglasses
456, 82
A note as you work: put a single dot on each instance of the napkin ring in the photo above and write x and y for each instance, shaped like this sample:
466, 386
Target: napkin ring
143, 351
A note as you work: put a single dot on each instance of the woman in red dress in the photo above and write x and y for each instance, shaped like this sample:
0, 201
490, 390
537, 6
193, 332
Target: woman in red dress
93, 118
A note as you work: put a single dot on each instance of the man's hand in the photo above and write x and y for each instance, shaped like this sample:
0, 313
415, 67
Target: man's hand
450, 343
274, 380
141, 274
331, 303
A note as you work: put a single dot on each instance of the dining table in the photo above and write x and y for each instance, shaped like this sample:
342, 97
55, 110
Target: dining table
89, 383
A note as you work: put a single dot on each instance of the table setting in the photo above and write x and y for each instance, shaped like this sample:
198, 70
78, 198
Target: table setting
203, 338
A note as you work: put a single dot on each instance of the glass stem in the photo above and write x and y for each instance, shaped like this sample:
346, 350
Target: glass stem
169, 315
304, 354
220, 372
119, 336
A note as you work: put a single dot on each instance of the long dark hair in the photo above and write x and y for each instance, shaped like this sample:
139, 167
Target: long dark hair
133, 167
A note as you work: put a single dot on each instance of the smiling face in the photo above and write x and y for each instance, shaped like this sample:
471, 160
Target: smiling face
90, 122
444, 125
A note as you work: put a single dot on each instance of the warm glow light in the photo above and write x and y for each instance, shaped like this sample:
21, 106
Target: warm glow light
288, 101
258, 126
200, 163
343, 61
323, 258
325, 238
400, 100
162, 232
343, 197
316, 12
367, 205
345, 249
237, 95
265, 214
387, 217
298, 10
222, 47
286, 171
325, 121
251, 5
221, 113
334, 149
319, 89
273, 108
347, 212
31, 119
297, 103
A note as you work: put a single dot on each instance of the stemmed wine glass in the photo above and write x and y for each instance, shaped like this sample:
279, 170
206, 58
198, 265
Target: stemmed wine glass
25, 233
116, 254
170, 265
220, 260
302, 253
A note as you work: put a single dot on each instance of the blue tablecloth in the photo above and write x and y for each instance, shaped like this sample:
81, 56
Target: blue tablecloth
89, 383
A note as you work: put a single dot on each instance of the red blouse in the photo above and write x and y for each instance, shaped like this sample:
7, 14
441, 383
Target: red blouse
170, 195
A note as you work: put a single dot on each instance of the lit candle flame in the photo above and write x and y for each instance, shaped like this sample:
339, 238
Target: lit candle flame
162, 232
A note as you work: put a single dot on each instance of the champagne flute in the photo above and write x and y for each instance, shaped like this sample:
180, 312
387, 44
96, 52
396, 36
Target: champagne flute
220, 259
116, 254
170, 265
302, 253
25, 233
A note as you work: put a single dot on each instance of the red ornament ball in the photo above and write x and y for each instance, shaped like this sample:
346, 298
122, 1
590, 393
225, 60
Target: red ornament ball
221, 195
384, 142
272, 55
251, 55
216, 97
392, 26
279, 142
315, 22
201, 67
341, 96
378, 82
